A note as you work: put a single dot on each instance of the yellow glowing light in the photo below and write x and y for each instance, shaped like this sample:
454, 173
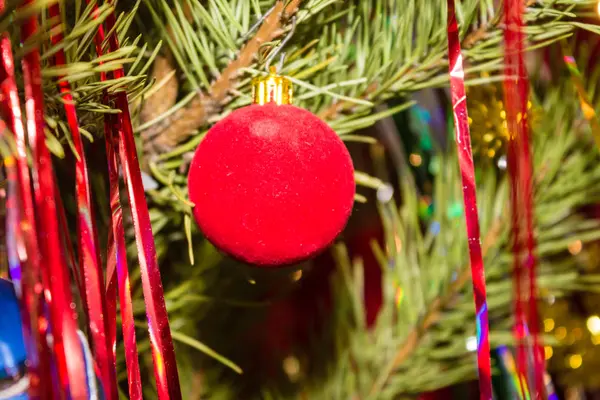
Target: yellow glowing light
548, 352
548, 324
575, 247
561, 333
399, 296
575, 361
598, 8
596, 340
291, 366
593, 324
415, 159
296, 276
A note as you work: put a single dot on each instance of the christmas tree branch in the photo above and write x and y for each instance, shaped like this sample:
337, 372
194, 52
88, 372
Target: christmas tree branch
351, 49
433, 314
180, 125
331, 112
406, 352
323, 52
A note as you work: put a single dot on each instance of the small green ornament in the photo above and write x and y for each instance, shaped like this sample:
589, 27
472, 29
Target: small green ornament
425, 208
455, 210
434, 165
425, 142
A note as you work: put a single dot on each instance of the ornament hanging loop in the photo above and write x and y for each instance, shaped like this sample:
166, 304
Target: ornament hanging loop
274, 88
278, 48
258, 23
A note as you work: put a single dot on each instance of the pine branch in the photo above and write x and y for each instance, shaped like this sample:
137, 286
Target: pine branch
433, 314
336, 108
406, 353
349, 43
183, 123
83, 68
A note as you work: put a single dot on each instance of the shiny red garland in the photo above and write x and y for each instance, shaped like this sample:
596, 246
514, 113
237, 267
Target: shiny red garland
516, 93
467, 170
36, 232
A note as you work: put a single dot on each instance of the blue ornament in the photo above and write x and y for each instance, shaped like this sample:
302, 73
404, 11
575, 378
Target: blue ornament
12, 345
13, 380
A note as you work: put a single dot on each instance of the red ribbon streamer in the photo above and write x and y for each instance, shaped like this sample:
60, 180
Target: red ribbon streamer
163, 354
89, 261
116, 251
22, 276
465, 158
516, 93
118, 261
117, 268
67, 349
21, 233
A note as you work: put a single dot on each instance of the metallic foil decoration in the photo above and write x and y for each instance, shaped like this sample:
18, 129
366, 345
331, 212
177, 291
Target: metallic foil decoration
68, 354
520, 171
487, 120
272, 88
90, 270
120, 140
467, 170
21, 231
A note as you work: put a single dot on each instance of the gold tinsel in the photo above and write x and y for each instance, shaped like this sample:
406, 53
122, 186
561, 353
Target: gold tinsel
487, 120
573, 353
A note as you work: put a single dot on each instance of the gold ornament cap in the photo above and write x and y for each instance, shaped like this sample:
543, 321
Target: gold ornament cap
272, 88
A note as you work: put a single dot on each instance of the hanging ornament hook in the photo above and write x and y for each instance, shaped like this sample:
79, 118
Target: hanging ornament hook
257, 23
274, 88
281, 45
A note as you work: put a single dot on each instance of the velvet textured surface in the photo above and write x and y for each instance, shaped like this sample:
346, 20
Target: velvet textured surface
272, 185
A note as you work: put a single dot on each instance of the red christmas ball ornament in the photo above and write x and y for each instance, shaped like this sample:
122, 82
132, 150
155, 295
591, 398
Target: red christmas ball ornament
271, 183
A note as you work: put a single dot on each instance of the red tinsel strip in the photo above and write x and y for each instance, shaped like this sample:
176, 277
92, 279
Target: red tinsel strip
117, 255
87, 242
118, 261
165, 367
465, 158
22, 277
163, 353
516, 92
21, 229
67, 348
111, 297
